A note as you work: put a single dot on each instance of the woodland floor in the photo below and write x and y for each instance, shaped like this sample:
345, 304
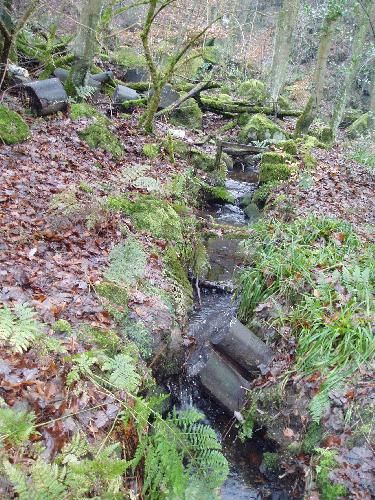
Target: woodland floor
50, 259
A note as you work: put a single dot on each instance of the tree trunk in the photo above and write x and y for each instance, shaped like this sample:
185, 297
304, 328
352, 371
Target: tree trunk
313, 105
85, 44
357, 48
371, 109
282, 46
147, 120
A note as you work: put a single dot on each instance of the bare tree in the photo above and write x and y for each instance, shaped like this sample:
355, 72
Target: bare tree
282, 46
160, 76
312, 107
364, 14
10, 25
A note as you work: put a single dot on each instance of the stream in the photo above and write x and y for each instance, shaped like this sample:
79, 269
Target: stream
245, 479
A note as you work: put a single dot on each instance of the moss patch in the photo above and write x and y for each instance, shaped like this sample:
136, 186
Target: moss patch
271, 461
217, 194
275, 167
262, 194
254, 90
289, 146
328, 489
151, 150
260, 128
359, 127
188, 115
98, 136
84, 110
114, 293
150, 214
13, 128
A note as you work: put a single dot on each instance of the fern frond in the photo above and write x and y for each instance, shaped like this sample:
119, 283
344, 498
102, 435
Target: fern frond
18, 328
18, 480
123, 373
46, 481
16, 427
148, 184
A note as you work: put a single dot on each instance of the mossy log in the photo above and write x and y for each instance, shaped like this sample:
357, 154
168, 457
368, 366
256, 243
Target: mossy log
243, 346
238, 107
223, 381
47, 96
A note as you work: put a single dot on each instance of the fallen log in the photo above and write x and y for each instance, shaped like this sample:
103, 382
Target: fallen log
93, 81
238, 107
47, 96
234, 149
221, 379
243, 346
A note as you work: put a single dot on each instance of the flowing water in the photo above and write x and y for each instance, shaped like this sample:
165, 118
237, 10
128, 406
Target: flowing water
245, 480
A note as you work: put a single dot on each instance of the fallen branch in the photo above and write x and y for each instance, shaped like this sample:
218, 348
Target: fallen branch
193, 92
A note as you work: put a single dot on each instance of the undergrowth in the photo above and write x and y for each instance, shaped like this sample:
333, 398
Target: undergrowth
321, 277
177, 456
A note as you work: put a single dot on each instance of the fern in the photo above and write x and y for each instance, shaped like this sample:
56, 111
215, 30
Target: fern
123, 374
46, 482
16, 427
183, 451
18, 328
131, 174
18, 480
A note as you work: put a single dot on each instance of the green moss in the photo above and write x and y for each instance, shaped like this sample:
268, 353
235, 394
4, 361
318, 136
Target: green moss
217, 194
260, 128
321, 131
289, 146
84, 110
305, 149
284, 103
197, 157
275, 167
102, 338
128, 262
114, 293
328, 489
129, 58
99, 136
142, 338
151, 150
176, 271
211, 54
312, 438
254, 90
271, 461
13, 128
359, 127
274, 172
262, 194
62, 326
188, 115
150, 214
86, 188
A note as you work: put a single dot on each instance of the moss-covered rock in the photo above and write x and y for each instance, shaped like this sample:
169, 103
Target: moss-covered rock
306, 146
253, 90
350, 116
275, 167
150, 214
359, 127
288, 146
188, 115
217, 194
84, 110
97, 135
284, 103
260, 128
129, 58
13, 128
113, 292
321, 131
151, 150
262, 194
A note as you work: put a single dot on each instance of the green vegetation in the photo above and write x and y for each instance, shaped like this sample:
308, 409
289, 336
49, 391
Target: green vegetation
328, 489
150, 214
151, 151
85, 110
188, 115
275, 167
13, 128
262, 194
62, 326
305, 264
254, 91
312, 438
217, 194
271, 461
260, 128
97, 135
359, 127
18, 327
127, 264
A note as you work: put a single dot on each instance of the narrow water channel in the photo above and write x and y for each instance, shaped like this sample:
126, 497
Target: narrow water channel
245, 480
